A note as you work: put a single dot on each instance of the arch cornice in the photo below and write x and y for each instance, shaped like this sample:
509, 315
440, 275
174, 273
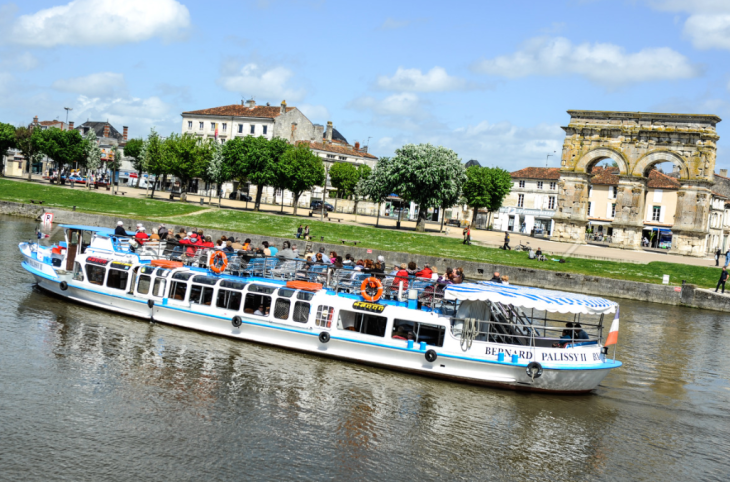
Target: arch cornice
660, 155
603, 152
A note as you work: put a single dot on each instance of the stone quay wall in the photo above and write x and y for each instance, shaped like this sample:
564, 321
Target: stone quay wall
686, 295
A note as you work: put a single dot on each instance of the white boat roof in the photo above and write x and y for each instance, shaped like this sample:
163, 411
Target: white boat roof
527, 297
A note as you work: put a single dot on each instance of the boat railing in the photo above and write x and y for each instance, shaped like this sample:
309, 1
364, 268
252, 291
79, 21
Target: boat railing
510, 332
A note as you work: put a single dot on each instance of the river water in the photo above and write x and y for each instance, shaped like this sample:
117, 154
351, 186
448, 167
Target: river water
88, 395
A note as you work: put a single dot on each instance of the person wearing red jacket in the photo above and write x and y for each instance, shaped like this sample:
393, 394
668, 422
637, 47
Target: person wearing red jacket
141, 236
401, 275
425, 272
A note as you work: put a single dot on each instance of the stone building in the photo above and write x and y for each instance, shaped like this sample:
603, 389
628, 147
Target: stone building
636, 141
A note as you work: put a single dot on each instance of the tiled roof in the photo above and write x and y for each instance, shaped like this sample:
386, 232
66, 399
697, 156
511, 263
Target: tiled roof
50, 123
238, 110
549, 173
609, 177
339, 149
98, 128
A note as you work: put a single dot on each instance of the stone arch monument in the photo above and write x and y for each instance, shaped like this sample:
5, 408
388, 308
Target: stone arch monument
637, 141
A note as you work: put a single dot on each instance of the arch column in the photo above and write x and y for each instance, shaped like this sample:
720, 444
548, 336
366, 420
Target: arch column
690, 230
628, 223
571, 216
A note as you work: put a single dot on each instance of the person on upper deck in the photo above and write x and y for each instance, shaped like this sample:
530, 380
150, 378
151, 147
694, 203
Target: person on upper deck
162, 232
401, 276
580, 333
458, 276
338, 263
119, 230
228, 248
447, 278
425, 272
141, 236
496, 278
286, 251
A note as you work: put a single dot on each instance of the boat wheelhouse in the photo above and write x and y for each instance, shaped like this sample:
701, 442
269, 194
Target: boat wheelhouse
482, 333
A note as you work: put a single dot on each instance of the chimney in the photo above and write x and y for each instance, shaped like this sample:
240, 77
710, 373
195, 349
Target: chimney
125, 131
318, 133
250, 103
35, 120
364, 149
328, 132
71, 126
357, 146
283, 107
106, 130
723, 172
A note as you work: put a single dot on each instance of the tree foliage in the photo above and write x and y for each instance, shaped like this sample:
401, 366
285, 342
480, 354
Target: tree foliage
486, 187
93, 151
344, 178
7, 142
217, 171
64, 147
430, 176
188, 157
302, 170
377, 186
133, 150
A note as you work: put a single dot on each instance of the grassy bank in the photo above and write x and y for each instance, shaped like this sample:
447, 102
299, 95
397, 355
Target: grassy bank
89, 201
384, 238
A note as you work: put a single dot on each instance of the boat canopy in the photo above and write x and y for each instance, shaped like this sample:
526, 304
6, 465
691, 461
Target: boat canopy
527, 297
95, 229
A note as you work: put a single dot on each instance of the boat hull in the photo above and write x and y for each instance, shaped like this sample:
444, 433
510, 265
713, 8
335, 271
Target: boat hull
346, 346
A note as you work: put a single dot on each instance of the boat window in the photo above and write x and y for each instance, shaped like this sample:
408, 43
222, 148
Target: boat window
236, 285
281, 309
95, 274
261, 289
143, 285
286, 292
228, 299
178, 290
183, 275
365, 323
202, 295
258, 305
163, 273
305, 295
159, 288
418, 332
324, 316
78, 272
205, 280
301, 312
117, 279
147, 270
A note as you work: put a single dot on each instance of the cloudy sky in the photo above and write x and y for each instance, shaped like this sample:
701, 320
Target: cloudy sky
490, 79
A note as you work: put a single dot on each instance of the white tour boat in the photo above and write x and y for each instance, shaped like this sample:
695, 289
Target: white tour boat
482, 333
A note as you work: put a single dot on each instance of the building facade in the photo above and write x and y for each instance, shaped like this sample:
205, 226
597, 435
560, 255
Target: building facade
531, 202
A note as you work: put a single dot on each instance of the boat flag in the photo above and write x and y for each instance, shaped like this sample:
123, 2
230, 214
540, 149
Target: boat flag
612, 338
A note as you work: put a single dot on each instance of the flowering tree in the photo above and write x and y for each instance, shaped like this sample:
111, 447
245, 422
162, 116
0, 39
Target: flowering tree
217, 171
93, 154
430, 176
377, 186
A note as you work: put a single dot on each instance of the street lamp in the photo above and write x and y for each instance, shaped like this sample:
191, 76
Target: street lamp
548, 158
67, 109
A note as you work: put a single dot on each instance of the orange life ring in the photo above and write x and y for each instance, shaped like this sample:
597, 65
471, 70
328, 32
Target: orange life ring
166, 263
304, 285
370, 284
218, 262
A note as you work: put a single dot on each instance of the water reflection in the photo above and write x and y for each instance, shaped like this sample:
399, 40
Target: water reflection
92, 395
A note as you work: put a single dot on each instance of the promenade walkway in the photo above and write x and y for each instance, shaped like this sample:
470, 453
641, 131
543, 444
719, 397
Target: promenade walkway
480, 237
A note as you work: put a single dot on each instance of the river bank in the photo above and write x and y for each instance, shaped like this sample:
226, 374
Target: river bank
685, 294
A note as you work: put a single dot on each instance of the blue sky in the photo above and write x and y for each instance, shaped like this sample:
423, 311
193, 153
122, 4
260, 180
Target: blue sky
491, 80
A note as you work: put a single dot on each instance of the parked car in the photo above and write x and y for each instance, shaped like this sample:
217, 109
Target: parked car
244, 196
316, 205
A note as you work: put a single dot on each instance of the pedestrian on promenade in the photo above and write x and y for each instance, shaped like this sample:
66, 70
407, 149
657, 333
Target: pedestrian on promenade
299, 231
467, 235
727, 257
506, 241
723, 279
718, 253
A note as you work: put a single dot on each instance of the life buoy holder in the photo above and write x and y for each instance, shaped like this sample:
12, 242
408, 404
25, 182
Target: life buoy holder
324, 337
534, 370
371, 289
431, 356
218, 262
64, 286
151, 303
236, 321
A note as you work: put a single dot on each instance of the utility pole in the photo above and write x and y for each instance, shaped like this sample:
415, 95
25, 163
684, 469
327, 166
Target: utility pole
67, 109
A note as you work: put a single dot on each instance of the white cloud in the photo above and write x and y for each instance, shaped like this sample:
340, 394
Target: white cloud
315, 113
252, 80
708, 25
605, 64
140, 114
92, 22
397, 105
392, 24
19, 60
102, 84
7, 81
413, 80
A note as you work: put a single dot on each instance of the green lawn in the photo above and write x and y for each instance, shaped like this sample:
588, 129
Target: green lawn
383, 238
89, 201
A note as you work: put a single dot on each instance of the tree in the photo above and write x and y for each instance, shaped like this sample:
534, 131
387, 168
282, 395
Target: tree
500, 184
302, 169
344, 177
64, 147
217, 171
155, 158
30, 144
363, 172
133, 149
188, 158
281, 178
7, 142
93, 153
377, 187
113, 165
430, 176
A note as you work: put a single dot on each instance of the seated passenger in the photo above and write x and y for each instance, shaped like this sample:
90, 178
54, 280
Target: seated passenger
259, 311
400, 333
580, 333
